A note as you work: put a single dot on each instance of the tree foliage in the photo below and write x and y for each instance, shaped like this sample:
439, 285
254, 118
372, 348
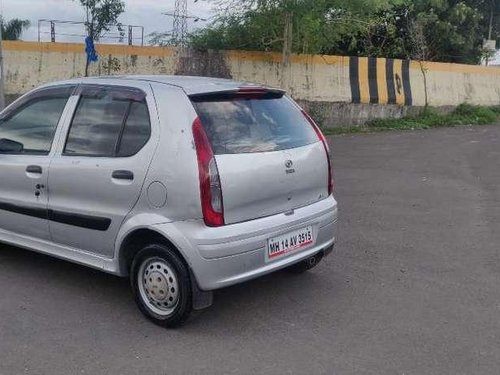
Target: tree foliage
101, 15
13, 29
452, 30
490, 11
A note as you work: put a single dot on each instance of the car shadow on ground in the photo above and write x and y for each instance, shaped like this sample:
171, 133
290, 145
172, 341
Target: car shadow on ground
242, 304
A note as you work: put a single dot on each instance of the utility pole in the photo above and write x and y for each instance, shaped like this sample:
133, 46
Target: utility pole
490, 28
2, 75
490, 31
287, 49
287, 38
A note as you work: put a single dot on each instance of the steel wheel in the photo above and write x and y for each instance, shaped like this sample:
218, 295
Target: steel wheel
161, 285
158, 286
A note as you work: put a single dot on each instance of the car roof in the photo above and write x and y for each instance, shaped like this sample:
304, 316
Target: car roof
190, 84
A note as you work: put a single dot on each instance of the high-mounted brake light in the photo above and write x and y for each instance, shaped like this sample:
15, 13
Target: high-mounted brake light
210, 186
323, 139
252, 90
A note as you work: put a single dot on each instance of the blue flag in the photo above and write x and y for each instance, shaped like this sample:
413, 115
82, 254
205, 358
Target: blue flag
90, 49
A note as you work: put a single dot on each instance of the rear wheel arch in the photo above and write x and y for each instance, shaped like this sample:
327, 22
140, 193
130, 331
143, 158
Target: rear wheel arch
137, 240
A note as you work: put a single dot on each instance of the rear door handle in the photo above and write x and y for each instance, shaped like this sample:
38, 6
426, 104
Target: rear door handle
34, 169
123, 175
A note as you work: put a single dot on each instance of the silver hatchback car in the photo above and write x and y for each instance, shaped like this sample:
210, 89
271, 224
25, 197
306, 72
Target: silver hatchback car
185, 184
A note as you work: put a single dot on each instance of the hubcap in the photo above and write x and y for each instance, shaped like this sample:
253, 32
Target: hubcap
158, 286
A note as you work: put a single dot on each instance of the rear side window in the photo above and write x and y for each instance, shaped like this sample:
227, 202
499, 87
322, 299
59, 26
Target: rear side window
240, 124
109, 122
137, 130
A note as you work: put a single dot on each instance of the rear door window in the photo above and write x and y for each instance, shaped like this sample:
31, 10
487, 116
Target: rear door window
241, 124
109, 122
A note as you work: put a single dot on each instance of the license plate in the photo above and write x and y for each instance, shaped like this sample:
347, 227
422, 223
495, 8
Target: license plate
289, 242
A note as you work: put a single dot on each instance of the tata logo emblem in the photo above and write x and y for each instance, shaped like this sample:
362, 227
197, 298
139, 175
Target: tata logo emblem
289, 165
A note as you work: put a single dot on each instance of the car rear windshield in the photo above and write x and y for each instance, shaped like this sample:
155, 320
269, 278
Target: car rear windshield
247, 124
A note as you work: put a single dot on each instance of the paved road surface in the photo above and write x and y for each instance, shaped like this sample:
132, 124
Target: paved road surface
413, 288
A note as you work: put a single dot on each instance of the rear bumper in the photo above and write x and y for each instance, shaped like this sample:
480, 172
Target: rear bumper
231, 254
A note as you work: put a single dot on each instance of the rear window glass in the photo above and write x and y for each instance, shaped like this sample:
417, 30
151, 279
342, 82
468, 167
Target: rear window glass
253, 124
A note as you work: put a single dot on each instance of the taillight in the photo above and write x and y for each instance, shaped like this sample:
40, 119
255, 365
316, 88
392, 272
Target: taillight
210, 187
323, 139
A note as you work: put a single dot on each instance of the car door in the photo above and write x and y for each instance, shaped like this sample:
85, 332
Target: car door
96, 177
27, 131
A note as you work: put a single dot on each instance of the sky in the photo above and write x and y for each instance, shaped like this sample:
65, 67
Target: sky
497, 58
145, 13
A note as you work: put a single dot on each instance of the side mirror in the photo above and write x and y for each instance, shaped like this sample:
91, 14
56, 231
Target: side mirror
10, 146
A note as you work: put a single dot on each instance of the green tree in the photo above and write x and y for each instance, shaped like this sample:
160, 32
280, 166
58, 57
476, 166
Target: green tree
100, 16
13, 29
451, 29
318, 26
490, 12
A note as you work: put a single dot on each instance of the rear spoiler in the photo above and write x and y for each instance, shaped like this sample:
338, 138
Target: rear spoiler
239, 92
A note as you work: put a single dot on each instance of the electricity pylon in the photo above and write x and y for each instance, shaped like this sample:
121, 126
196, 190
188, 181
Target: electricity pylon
179, 33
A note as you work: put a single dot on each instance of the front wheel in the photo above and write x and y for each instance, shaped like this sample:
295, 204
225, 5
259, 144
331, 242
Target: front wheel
161, 285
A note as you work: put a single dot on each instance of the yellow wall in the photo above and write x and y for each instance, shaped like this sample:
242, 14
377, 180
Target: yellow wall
308, 77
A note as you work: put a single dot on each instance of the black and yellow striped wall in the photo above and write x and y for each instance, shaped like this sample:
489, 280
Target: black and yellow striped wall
380, 81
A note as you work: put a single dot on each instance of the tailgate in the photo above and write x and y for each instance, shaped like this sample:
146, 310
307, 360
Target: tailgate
260, 184
268, 155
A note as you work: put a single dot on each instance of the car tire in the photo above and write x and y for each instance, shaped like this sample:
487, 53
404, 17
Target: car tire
161, 285
306, 264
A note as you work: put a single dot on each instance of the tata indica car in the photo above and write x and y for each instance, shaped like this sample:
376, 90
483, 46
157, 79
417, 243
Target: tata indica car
184, 184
